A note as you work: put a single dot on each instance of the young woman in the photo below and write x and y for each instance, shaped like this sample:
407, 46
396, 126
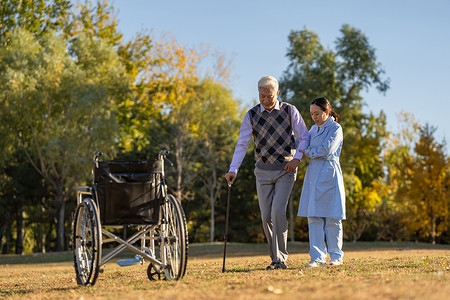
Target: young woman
323, 196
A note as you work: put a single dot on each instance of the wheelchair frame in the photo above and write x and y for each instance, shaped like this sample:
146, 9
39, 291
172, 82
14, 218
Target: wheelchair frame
164, 243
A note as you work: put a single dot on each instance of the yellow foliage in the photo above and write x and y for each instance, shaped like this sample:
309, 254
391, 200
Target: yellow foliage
357, 184
370, 197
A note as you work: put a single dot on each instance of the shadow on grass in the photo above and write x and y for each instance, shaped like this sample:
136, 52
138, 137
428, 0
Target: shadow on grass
70, 288
238, 270
248, 270
21, 292
212, 250
215, 250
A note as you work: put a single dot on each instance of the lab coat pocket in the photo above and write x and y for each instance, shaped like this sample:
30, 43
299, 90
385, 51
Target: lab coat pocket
327, 175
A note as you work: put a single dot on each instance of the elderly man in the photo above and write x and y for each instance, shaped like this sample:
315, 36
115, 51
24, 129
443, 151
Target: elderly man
273, 125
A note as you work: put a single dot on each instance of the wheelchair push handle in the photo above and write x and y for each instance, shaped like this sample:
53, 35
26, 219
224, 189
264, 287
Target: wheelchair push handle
117, 177
96, 156
163, 156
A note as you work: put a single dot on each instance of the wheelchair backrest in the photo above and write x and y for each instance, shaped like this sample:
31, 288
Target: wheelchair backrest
135, 198
129, 171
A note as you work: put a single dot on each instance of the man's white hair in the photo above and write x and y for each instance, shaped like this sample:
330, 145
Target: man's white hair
268, 81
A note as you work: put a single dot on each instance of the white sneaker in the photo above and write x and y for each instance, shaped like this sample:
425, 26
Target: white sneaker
336, 262
314, 264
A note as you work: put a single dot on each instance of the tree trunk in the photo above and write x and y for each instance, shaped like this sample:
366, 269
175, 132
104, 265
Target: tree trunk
43, 241
2, 234
211, 231
48, 241
433, 230
212, 197
42, 232
60, 222
8, 237
179, 158
20, 230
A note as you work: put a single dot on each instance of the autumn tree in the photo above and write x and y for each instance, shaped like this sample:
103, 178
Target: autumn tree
425, 193
67, 101
216, 123
341, 76
189, 112
397, 151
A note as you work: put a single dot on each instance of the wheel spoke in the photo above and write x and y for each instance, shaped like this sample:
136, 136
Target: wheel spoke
175, 248
86, 242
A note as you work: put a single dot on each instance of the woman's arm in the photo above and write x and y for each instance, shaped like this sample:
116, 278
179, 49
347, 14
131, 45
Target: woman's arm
330, 145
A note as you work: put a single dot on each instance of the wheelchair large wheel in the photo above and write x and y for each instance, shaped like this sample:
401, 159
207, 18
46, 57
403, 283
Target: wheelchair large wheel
176, 245
87, 240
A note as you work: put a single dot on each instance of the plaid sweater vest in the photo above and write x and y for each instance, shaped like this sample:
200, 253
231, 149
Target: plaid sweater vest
273, 136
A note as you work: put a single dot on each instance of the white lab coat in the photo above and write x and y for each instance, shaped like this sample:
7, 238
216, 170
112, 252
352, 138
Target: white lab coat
323, 193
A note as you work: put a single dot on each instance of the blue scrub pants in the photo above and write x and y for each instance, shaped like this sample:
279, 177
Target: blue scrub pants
321, 229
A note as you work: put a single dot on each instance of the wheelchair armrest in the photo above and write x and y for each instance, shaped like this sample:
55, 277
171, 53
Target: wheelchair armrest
84, 190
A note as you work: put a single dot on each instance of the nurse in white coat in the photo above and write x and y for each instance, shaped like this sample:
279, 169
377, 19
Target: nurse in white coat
323, 196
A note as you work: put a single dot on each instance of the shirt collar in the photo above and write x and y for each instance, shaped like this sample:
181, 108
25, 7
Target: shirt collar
327, 123
277, 107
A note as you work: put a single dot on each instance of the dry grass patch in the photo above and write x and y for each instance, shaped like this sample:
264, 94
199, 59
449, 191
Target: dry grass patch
370, 271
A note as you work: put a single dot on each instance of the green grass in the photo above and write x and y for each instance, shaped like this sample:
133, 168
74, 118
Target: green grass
371, 270
216, 249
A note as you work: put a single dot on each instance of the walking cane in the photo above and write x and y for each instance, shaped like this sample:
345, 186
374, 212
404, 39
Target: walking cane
226, 228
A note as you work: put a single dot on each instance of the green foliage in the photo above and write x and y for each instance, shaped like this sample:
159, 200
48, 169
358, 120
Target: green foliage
245, 219
70, 85
341, 76
359, 68
311, 72
215, 124
61, 96
67, 101
95, 21
36, 16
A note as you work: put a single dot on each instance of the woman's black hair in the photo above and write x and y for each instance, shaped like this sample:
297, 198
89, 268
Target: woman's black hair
324, 104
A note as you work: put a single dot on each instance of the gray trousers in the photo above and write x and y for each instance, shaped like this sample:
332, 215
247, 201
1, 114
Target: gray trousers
274, 188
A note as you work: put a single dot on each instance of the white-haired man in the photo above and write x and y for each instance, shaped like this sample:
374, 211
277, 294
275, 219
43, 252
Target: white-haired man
273, 125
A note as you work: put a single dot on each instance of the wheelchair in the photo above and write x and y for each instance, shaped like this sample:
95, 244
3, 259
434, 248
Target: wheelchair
129, 194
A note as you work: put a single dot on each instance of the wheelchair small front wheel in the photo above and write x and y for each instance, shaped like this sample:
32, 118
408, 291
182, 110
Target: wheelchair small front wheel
87, 240
176, 243
154, 273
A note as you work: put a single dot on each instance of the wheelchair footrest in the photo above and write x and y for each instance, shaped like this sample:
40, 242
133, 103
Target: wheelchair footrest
129, 261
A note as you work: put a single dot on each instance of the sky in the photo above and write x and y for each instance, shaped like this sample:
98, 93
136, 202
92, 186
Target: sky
411, 38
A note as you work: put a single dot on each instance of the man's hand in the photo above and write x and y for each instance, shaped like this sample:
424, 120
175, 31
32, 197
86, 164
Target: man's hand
292, 165
231, 177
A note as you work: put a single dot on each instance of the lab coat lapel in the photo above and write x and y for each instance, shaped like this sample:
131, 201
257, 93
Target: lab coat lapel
325, 126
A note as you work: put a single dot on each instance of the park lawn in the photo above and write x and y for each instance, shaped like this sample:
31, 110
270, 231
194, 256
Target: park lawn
371, 270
